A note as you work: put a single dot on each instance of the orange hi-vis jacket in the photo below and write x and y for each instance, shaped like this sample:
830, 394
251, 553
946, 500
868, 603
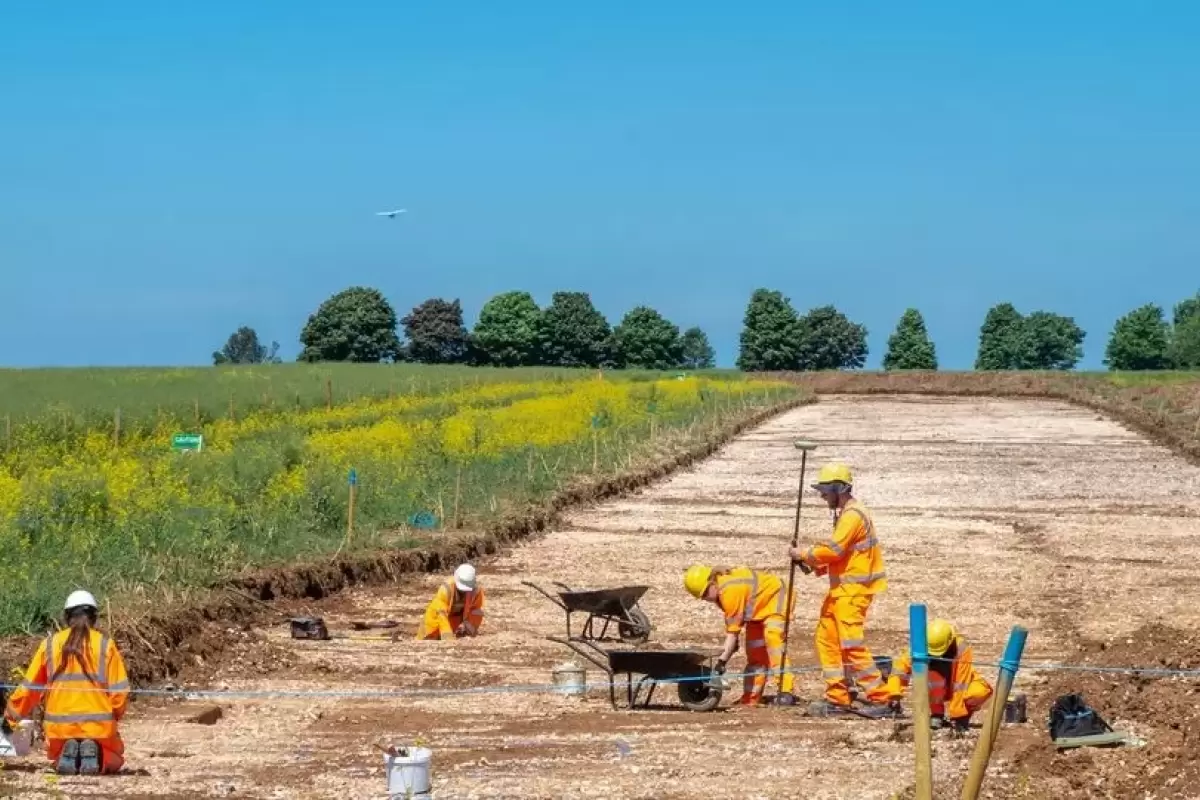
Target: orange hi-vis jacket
748, 596
77, 706
967, 685
852, 557
450, 602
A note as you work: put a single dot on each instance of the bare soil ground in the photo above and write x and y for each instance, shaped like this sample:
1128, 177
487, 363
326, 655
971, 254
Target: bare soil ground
993, 512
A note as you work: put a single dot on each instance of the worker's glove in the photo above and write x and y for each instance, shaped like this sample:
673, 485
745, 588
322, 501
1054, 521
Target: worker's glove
719, 667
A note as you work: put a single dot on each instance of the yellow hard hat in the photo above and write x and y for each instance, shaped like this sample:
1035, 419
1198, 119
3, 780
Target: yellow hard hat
695, 580
939, 637
833, 473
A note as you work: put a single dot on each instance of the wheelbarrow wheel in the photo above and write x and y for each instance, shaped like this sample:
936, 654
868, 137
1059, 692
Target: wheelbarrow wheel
637, 630
699, 695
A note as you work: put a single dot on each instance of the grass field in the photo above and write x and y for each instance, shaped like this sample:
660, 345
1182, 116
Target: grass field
105, 502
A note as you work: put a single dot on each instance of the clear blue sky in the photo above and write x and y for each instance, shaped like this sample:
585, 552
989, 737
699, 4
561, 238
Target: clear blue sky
171, 171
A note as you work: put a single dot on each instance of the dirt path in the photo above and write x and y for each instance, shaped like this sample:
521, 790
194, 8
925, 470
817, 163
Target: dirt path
993, 512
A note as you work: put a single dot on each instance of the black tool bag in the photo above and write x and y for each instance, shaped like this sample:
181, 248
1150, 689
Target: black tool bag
1072, 717
309, 628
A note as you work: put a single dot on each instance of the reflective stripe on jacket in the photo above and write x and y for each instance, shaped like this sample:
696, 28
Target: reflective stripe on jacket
78, 705
952, 698
852, 557
748, 596
449, 601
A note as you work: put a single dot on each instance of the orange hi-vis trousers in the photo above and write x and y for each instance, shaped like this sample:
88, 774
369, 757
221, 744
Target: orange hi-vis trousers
843, 652
764, 655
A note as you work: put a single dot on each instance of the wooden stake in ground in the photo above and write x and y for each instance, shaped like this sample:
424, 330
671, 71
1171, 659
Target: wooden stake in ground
804, 448
328, 393
918, 643
353, 480
987, 737
196, 410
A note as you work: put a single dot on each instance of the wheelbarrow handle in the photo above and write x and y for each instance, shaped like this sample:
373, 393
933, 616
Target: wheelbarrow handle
562, 586
557, 601
582, 653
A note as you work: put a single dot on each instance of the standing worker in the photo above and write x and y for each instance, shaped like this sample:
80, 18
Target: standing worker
854, 562
956, 690
457, 608
82, 675
754, 600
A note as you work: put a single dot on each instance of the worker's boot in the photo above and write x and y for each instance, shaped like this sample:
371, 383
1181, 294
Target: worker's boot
785, 699
89, 757
936, 722
68, 759
874, 710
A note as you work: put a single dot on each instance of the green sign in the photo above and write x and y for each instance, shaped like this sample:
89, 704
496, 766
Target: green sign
187, 442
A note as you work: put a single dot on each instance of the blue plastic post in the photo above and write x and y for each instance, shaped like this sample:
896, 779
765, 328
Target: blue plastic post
353, 477
922, 729
1013, 651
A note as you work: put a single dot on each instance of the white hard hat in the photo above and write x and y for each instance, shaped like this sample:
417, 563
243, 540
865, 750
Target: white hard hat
464, 578
79, 598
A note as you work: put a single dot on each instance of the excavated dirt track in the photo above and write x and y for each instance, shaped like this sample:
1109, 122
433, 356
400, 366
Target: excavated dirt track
993, 512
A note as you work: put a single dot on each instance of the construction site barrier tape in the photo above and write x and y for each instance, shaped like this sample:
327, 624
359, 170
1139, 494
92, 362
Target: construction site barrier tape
333, 694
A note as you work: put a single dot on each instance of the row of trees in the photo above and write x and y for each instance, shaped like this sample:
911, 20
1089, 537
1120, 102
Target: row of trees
1143, 339
360, 325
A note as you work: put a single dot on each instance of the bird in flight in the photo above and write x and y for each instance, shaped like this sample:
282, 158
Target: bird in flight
391, 214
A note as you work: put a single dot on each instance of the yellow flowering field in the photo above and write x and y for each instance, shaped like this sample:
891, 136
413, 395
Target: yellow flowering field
118, 509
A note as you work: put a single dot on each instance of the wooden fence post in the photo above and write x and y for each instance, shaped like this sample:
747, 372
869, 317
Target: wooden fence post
328, 393
991, 726
922, 733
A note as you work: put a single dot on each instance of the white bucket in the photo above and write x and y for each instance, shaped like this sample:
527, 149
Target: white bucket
408, 774
18, 743
569, 678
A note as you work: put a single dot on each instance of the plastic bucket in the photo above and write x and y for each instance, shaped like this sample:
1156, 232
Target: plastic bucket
569, 679
18, 743
408, 774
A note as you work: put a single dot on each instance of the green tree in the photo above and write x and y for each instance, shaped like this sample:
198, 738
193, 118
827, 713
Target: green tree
645, 339
1185, 334
357, 324
507, 332
243, 347
572, 333
435, 333
829, 340
1050, 341
1000, 339
1140, 340
910, 346
770, 333
697, 352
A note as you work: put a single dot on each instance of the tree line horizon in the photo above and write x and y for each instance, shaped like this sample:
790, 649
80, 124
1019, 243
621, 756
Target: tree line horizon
359, 325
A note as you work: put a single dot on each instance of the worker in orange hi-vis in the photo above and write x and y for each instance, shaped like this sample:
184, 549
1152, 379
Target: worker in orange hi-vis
956, 690
854, 562
81, 675
457, 608
754, 601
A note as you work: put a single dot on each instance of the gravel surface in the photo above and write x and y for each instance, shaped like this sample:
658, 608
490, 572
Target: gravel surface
993, 512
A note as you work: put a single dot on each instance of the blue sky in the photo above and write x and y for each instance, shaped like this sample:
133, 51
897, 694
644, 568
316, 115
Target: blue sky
171, 171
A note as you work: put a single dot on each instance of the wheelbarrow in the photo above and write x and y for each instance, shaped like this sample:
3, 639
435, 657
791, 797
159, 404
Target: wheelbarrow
691, 671
609, 605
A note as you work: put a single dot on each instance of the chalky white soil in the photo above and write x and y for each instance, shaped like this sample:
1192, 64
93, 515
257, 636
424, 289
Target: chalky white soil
993, 512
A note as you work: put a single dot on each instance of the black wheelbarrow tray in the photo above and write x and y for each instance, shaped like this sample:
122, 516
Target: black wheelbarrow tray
609, 605
690, 670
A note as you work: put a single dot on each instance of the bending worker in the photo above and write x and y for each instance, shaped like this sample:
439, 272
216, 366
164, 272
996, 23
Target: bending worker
457, 608
755, 601
956, 690
854, 562
82, 676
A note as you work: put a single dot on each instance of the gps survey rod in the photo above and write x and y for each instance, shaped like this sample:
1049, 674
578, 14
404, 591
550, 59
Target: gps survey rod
804, 448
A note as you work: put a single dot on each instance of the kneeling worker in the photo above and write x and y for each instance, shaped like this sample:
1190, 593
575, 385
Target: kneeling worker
457, 608
754, 600
956, 690
82, 675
